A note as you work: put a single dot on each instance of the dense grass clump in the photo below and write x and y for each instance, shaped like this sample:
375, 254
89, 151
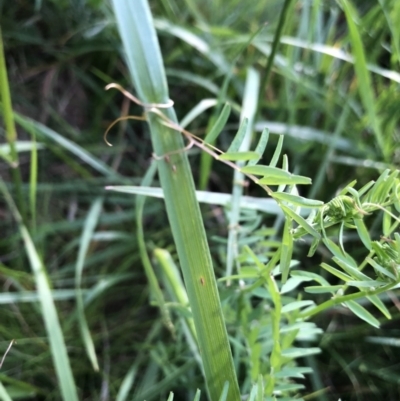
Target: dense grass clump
110, 296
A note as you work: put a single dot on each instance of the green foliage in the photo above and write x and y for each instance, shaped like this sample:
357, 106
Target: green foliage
308, 275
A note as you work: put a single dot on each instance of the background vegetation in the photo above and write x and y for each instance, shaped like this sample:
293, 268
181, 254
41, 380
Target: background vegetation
333, 91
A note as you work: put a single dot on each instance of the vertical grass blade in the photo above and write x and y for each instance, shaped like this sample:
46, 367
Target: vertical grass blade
147, 70
155, 289
49, 312
364, 79
248, 113
33, 178
11, 133
87, 233
275, 44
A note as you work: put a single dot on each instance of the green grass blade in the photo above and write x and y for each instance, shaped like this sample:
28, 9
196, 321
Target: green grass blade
33, 178
219, 125
241, 143
43, 131
260, 148
393, 19
265, 205
87, 233
175, 283
277, 153
130, 376
11, 133
286, 250
275, 44
146, 67
4, 396
206, 159
49, 312
155, 289
363, 76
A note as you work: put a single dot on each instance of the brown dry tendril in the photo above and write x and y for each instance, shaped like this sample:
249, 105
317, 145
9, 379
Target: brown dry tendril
134, 99
193, 140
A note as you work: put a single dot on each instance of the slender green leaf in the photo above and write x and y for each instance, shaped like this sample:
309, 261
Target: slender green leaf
381, 269
380, 305
10, 130
319, 289
196, 111
364, 79
301, 221
277, 153
389, 341
336, 272
297, 200
87, 234
350, 270
363, 233
294, 353
239, 156
239, 137
286, 250
292, 180
308, 276
362, 285
33, 184
45, 132
219, 125
49, 311
155, 288
261, 145
362, 313
339, 254
224, 393
296, 305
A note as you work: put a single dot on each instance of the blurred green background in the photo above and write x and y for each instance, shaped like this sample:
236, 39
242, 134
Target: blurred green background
337, 105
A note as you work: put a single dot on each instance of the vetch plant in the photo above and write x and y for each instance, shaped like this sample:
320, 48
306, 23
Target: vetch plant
270, 275
316, 86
